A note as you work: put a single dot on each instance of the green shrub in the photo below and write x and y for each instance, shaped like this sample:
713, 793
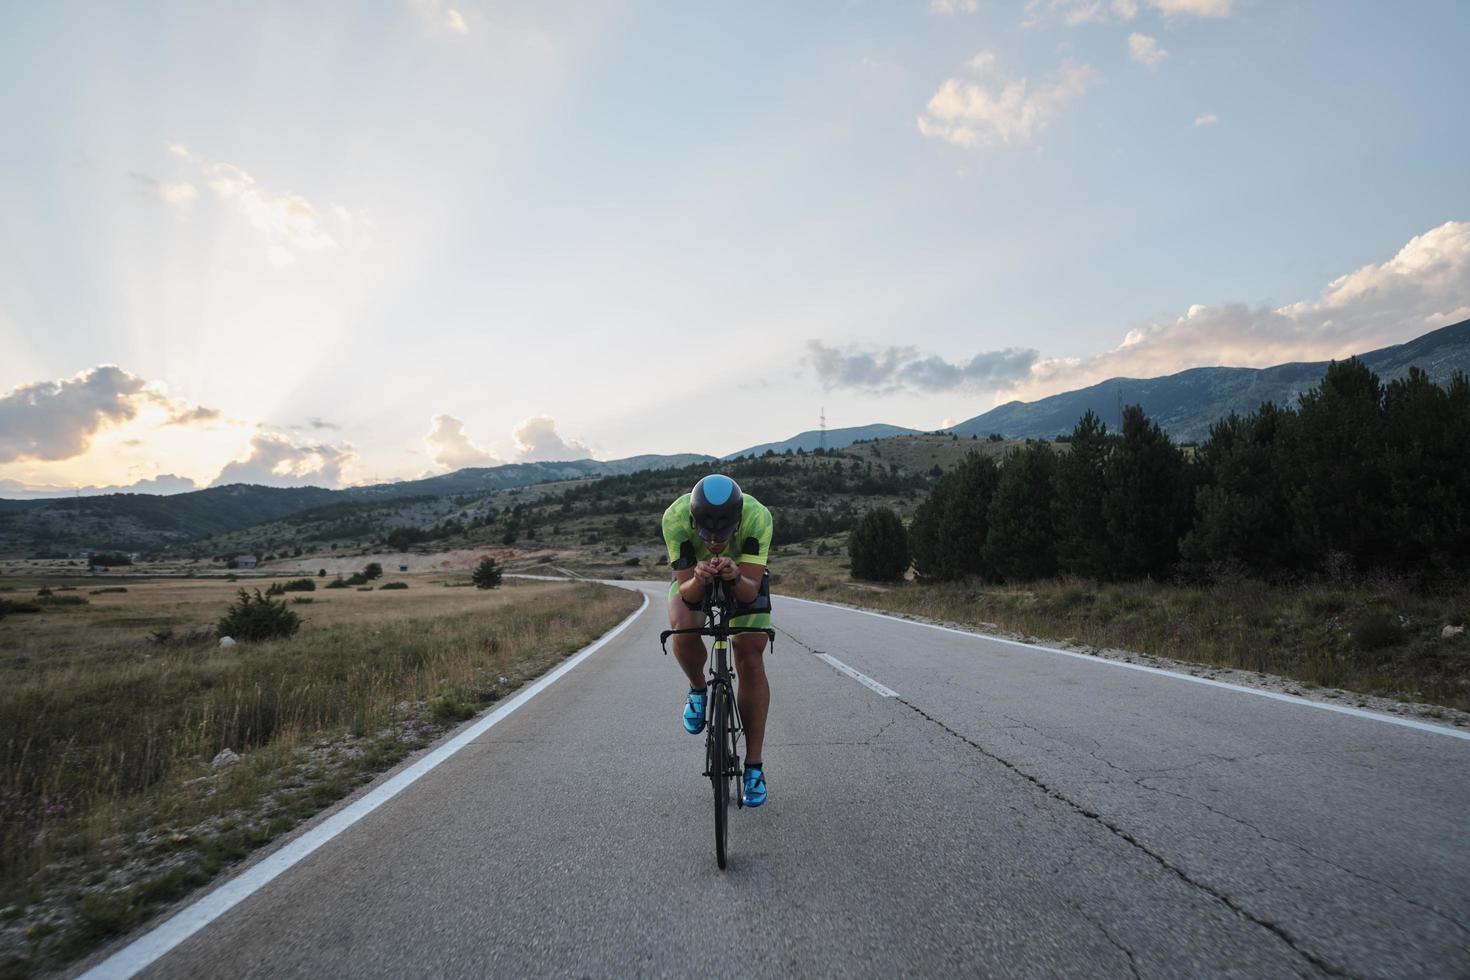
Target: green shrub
337, 583
372, 571
487, 574
630, 561
301, 600
113, 588
879, 547
8, 606
392, 585
258, 618
299, 585
1376, 629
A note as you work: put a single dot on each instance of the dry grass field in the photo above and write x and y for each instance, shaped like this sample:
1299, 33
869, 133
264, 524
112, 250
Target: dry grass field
115, 706
1375, 638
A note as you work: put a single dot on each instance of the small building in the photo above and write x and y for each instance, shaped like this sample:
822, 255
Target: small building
246, 561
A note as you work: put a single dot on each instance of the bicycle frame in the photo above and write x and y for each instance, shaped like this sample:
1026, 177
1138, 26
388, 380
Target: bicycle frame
722, 758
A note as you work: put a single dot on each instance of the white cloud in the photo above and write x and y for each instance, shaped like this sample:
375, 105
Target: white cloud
1424, 286
1145, 50
52, 420
288, 221
999, 108
1194, 8
887, 370
947, 7
277, 461
179, 195
439, 16
537, 441
1075, 12
450, 447
1206, 119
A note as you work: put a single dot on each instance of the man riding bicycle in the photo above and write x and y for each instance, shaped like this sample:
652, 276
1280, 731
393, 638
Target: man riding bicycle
717, 532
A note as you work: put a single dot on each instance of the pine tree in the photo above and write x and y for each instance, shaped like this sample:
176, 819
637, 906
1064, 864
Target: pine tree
1336, 467
1146, 506
949, 528
1081, 483
1244, 517
1021, 544
879, 547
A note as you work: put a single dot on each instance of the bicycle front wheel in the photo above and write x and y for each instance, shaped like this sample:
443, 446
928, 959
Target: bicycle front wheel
719, 768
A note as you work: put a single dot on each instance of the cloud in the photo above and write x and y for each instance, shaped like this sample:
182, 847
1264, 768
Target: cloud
1206, 119
999, 108
1194, 8
1145, 50
288, 221
1075, 12
947, 7
276, 461
53, 420
537, 441
1425, 285
449, 446
438, 15
180, 194
164, 484
193, 416
892, 369
319, 423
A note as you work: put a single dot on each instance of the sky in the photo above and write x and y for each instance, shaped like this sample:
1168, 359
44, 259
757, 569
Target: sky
347, 243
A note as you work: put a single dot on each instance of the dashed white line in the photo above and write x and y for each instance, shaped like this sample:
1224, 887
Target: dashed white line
862, 679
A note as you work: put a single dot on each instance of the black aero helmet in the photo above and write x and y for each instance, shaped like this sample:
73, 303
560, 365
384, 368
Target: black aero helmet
715, 507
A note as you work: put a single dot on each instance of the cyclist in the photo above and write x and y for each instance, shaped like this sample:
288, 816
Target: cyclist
717, 532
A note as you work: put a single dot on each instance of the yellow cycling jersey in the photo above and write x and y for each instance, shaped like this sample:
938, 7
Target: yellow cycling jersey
750, 543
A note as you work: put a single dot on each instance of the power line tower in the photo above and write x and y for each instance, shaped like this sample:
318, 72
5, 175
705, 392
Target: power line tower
822, 438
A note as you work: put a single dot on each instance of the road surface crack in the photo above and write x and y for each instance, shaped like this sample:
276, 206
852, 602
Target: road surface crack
1458, 926
1279, 931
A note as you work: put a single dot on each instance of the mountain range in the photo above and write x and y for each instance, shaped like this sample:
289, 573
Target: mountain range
1186, 404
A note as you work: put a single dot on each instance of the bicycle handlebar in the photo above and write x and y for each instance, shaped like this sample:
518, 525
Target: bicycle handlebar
716, 632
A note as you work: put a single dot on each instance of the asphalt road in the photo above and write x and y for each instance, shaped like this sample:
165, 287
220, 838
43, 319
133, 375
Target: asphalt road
1011, 812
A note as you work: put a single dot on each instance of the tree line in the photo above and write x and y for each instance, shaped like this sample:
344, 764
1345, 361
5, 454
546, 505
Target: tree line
1358, 476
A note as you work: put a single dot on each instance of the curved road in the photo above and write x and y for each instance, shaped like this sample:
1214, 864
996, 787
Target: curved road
985, 808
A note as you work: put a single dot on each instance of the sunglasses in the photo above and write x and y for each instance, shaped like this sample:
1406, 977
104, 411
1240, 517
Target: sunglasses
714, 533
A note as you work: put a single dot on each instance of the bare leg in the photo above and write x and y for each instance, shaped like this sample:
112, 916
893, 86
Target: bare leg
688, 649
754, 692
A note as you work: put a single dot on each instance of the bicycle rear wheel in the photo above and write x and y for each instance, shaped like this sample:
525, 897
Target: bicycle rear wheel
719, 768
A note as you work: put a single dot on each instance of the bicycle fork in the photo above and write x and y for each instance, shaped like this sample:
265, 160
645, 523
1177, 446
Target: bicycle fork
720, 687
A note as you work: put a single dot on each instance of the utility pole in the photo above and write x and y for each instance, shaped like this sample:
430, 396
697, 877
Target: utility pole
822, 439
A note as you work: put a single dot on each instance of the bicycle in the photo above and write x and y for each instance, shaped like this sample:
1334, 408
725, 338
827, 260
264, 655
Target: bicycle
722, 715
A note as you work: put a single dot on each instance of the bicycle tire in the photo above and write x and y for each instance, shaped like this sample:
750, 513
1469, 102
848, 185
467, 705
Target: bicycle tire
719, 764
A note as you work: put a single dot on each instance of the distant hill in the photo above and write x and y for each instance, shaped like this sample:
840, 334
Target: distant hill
1186, 404
835, 439
147, 522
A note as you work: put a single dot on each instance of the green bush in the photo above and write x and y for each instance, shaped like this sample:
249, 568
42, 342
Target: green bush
392, 585
337, 583
879, 547
258, 618
487, 574
1376, 630
8, 606
299, 585
112, 588
372, 571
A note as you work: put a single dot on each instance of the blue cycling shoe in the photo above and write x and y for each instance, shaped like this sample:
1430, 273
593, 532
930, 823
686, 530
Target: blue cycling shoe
694, 712
755, 785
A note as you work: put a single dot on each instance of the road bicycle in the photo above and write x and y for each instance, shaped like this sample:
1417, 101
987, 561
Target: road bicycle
721, 714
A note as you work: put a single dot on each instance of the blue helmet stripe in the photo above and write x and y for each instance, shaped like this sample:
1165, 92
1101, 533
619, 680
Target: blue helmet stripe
717, 489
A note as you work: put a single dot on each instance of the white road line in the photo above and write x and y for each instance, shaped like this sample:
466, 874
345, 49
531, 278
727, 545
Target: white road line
148, 948
862, 679
1103, 662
